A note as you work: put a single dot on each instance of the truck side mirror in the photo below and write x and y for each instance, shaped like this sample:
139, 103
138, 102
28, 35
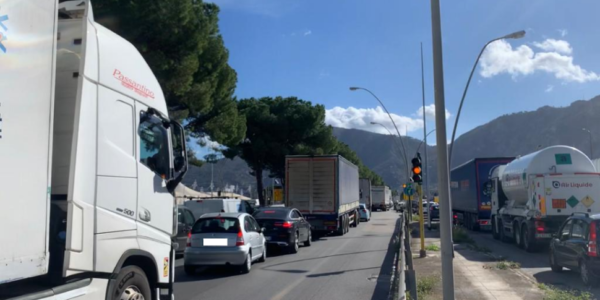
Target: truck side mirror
178, 164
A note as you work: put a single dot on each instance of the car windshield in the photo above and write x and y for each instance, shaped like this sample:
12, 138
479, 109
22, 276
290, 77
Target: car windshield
216, 225
271, 214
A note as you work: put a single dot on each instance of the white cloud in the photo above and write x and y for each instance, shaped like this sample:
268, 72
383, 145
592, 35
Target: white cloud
206, 142
308, 32
361, 118
430, 112
549, 89
559, 46
500, 57
563, 32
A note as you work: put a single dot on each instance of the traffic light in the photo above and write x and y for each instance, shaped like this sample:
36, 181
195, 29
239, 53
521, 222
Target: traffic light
416, 169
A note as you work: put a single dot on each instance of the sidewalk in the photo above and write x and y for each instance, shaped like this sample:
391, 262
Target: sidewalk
477, 275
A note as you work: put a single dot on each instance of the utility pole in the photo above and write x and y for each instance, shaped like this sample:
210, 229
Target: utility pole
426, 192
442, 142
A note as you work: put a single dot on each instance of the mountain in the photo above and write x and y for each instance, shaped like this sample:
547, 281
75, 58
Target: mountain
509, 135
525, 132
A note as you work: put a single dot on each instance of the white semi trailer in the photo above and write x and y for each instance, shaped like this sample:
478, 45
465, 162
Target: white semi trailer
89, 160
533, 195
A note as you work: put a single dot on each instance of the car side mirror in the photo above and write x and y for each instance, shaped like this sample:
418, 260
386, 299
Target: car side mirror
262, 230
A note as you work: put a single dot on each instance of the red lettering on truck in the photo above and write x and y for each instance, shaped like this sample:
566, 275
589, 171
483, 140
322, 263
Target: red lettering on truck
131, 84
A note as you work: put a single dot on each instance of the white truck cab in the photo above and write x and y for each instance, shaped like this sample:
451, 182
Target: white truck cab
89, 159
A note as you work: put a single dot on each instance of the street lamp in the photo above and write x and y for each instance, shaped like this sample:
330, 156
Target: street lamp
395, 142
514, 35
423, 141
591, 145
398, 131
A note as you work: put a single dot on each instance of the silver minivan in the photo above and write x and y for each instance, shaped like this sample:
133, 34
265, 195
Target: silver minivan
225, 239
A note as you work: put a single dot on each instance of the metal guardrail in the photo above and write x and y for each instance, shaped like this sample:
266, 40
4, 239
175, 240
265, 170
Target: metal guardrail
404, 272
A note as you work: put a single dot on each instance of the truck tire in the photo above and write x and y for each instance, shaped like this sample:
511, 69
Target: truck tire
356, 217
516, 229
131, 283
528, 239
502, 232
342, 227
346, 223
495, 232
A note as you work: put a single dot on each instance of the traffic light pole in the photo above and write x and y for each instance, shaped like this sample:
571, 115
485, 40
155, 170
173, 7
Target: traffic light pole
422, 252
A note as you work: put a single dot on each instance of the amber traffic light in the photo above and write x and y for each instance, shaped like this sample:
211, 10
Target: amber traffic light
416, 169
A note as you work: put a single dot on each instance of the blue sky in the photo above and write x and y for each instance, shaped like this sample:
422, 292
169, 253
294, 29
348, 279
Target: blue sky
315, 50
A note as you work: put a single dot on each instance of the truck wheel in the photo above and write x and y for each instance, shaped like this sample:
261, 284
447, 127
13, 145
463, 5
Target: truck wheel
528, 239
131, 283
502, 233
357, 216
517, 235
346, 224
342, 227
495, 232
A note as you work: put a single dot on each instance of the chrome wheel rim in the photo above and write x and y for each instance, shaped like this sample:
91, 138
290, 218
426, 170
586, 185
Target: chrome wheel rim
132, 293
296, 243
249, 261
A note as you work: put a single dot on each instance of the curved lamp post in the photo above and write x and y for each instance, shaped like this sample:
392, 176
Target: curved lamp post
514, 35
398, 131
591, 145
423, 141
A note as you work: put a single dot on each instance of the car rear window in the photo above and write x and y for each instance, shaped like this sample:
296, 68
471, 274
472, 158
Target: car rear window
216, 225
271, 214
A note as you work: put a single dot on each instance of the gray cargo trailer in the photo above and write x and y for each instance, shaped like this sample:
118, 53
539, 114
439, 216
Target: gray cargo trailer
325, 189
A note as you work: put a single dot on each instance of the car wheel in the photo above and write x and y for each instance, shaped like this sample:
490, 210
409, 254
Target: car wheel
247, 264
294, 246
309, 239
131, 283
584, 271
263, 258
189, 270
553, 265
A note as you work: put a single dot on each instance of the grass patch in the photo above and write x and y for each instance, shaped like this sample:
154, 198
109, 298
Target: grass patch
432, 247
426, 284
416, 217
553, 293
460, 236
478, 248
505, 265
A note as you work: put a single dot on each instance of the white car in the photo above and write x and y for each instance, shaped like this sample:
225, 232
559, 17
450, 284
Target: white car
222, 239
364, 212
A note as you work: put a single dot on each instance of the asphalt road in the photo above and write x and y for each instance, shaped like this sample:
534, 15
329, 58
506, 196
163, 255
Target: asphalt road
357, 266
535, 265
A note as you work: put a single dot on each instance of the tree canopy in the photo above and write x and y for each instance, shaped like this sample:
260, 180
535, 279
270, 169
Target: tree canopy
181, 42
279, 126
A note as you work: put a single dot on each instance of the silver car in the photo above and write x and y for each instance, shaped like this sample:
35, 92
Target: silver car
225, 239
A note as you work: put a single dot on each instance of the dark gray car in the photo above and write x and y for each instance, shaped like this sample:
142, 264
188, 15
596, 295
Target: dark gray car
186, 220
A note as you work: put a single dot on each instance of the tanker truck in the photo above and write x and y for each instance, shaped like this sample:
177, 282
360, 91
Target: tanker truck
534, 194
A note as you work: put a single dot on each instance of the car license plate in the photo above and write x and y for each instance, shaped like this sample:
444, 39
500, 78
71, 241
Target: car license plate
268, 238
543, 235
215, 242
